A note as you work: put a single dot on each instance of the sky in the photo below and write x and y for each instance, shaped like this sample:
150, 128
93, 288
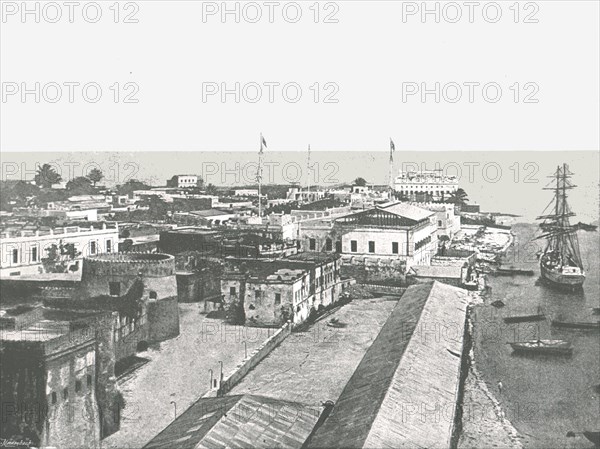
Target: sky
196, 83
346, 83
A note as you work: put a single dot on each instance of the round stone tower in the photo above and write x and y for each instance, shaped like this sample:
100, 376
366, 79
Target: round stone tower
115, 274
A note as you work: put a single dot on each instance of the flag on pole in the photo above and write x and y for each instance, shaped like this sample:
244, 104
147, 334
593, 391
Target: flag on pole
263, 143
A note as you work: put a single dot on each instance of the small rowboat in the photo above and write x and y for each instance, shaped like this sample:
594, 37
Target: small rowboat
512, 272
557, 347
576, 325
524, 318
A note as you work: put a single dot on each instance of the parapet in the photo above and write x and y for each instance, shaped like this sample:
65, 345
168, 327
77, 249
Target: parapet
129, 264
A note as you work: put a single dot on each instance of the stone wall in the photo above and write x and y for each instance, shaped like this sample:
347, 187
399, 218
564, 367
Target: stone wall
365, 269
125, 269
253, 359
163, 319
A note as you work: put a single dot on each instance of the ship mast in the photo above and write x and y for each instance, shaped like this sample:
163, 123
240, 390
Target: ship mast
561, 236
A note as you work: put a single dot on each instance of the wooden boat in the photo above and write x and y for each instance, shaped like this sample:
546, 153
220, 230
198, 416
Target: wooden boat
560, 264
576, 324
512, 272
525, 318
558, 347
498, 303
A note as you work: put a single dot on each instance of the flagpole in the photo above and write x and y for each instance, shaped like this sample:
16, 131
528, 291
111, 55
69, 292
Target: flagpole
260, 156
391, 174
308, 172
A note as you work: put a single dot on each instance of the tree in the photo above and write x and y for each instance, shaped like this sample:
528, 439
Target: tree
458, 198
59, 257
16, 193
130, 186
361, 182
46, 176
80, 186
211, 189
95, 175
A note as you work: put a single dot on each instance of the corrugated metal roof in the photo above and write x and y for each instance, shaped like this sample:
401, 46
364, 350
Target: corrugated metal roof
242, 421
408, 211
391, 400
437, 271
354, 412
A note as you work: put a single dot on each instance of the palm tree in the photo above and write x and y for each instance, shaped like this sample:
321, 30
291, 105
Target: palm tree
46, 176
361, 182
458, 198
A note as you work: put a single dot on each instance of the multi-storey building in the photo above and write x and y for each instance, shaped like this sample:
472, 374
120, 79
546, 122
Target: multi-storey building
397, 233
58, 382
183, 181
432, 184
271, 292
23, 246
448, 223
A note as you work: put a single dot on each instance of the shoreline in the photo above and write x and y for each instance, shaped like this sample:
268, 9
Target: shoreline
484, 422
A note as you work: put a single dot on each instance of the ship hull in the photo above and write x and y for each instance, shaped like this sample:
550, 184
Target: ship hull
572, 281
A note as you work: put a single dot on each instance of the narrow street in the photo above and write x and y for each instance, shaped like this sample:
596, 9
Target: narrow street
178, 374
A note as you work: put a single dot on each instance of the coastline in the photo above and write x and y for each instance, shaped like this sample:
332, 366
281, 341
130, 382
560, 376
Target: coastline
484, 422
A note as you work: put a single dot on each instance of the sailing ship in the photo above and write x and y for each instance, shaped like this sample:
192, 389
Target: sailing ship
560, 261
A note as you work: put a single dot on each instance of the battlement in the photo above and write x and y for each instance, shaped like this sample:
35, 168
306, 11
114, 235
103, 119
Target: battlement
129, 264
61, 231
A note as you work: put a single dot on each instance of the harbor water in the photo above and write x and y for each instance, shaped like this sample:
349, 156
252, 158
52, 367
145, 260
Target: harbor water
543, 396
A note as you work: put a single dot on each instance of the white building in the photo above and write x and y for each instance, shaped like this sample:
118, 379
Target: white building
183, 181
448, 224
395, 232
245, 192
431, 182
305, 196
22, 250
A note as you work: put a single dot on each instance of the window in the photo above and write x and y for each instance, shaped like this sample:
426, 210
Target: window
114, 288
77, 386
66, 393
371, 247
89, 380
353, 246
232, 291
153, 294
439, 223
15, 255
395, 247
257, 294
328, 245
54, 397
312, 244
34, 254
277, 299
92, 247
108, 246
338, 247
